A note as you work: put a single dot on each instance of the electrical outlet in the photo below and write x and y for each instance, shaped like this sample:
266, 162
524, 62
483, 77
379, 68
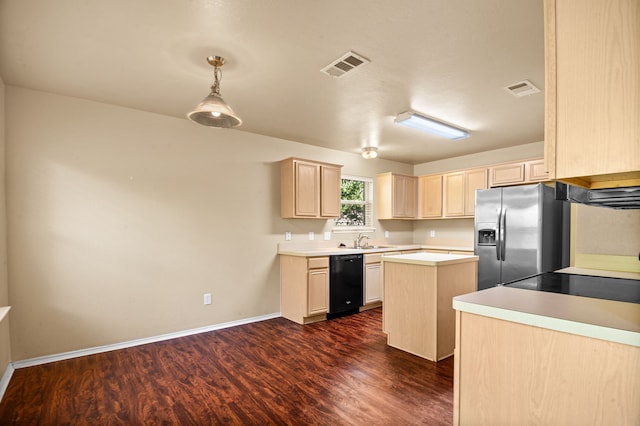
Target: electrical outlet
311, 236
327, 236
207, 298
432, 233
287, 236
386, 234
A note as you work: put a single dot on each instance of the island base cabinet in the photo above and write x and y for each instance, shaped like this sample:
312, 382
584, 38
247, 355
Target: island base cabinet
511, 373
417, 310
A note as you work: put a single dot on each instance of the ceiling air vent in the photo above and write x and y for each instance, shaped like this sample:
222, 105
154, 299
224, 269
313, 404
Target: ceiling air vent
348, 62
522, 88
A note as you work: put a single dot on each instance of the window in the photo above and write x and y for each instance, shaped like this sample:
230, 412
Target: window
356, 205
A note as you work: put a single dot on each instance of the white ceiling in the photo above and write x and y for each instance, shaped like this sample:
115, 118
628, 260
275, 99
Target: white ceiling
449, 59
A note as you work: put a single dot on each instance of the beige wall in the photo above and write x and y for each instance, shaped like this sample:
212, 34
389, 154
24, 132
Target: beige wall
120, 220
5, 341
605, 238
481, 159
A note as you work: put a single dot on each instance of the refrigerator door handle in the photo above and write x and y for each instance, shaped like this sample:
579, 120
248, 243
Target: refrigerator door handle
503, 234
498, 234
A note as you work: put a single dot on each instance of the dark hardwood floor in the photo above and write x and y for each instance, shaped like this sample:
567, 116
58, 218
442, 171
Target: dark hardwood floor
337, 372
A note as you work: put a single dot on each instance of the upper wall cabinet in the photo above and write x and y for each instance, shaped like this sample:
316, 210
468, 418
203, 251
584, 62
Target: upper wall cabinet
309, 189
517, 173
460, 189
592, 84
397, 196
430, 197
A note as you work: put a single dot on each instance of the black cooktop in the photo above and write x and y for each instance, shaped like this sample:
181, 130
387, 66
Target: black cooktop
619, 289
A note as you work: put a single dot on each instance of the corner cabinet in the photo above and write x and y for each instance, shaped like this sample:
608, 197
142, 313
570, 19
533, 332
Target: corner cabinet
592, 85
397, 196
309, 189
304, 288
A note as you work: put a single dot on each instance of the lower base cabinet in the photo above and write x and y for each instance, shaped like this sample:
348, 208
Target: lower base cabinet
418, 316
507, 373
304, 288
372, 280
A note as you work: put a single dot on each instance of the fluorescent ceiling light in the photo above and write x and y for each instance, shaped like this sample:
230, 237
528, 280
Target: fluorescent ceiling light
417, 121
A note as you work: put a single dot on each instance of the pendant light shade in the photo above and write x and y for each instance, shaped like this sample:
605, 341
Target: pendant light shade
213, 111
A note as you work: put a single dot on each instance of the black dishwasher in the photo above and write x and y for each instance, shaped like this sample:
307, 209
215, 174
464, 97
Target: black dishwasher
345, 284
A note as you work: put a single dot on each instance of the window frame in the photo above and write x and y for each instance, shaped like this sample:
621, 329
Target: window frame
368, 203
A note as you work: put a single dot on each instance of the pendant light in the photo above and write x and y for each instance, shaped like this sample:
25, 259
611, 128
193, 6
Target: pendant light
213, 111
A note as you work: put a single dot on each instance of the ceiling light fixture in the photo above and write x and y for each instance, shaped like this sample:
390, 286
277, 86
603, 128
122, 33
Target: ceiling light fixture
420, 122
213, 110
370, 152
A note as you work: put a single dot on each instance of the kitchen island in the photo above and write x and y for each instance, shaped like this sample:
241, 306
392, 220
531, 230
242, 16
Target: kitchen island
418, 291
532, 357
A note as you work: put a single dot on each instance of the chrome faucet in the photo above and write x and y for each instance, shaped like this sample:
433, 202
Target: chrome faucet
359, 240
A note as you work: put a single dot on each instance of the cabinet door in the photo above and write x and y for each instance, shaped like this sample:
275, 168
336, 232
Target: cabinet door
593, 97
399, 196
507, 174
330, 191
474, 179
430, 196
454, 194
373, 283
318, 291
411, 195
307, 185
535, 171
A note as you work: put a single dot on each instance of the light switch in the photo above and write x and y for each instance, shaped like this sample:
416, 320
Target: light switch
432, 233
311, 236
386, 234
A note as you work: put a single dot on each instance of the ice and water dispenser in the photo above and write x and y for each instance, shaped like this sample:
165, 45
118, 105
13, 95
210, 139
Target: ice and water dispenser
486, 234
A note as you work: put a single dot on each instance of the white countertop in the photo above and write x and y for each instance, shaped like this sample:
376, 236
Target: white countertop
597, 318
310, 250
430, 259
331, 251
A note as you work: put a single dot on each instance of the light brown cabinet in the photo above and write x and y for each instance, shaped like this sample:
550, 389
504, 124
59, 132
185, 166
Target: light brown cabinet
309, 189
460, 189
521, 172
372, 280
304, 288
430, 196
592, 85
417, 311
397, 196
548, 377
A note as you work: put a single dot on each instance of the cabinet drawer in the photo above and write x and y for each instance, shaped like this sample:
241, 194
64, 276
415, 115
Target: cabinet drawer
372, 258
317, 262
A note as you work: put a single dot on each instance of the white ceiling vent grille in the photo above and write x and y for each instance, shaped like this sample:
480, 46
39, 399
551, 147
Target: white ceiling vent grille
348, 62
522, 88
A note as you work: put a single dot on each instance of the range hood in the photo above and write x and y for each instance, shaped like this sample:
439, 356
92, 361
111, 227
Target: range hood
615, 198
